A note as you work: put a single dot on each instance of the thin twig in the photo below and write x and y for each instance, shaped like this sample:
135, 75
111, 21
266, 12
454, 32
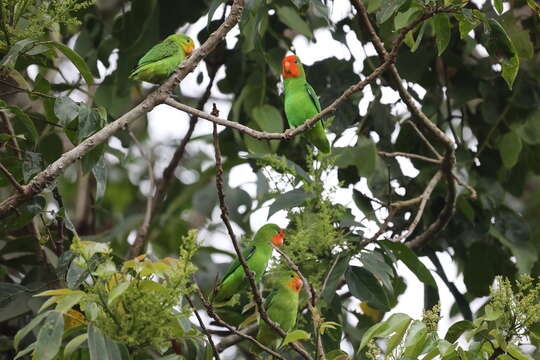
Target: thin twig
382, 229
424, 139
409, 155
59, 240
234, 339
217, 318
225, 217
140, 240
203, 328
12, 179
425, 197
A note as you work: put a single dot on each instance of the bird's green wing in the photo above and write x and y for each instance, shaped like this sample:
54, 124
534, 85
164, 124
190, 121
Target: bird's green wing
160, 51
313, 96
248, 253
268, 300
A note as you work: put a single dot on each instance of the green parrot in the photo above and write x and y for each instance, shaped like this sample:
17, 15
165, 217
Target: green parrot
282, 306
163, 59
256, 255
301, 102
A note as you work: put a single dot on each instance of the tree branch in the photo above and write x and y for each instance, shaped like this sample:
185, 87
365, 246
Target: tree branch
212, 314
448, 160
47, 176
225, 217
203, 328
234, 339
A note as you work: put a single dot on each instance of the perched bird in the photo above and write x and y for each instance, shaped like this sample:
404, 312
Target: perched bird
282, 306
301, 102
163, 59
256, 255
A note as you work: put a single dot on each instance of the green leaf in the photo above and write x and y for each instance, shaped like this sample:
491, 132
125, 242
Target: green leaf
333, 278
23, 215
26, 351
100, 174
32, 164
420, 36
66, 110
509, 148
364, 286
500, 46
29, 327
498, 6
457, 329
74, 344
387, 9
374, 262
14, 51
75, 58
24, 119
514, 232
364, 204
289, 16
68, 301
295, 335
117, 291
269, 119
415, 340
409, 258
468, 19
289, 200
442, 28
395, 324
101, 347
367, 156
49, 337
89, 122
529, 132
402, 19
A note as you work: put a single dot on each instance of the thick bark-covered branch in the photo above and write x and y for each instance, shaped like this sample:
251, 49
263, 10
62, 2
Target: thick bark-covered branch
48, 176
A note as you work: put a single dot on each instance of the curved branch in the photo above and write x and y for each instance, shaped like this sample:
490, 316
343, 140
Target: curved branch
47, 176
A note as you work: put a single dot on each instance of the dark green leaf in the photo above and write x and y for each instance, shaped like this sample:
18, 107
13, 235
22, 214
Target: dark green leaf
333, 278
501, 47
89, 122
457, 329
442, 27
498, 6
367, 157
387, 9
289, 16
66, 110
289, 200
14, 51
529, 132
364, 286
32, 164
403, 253
23, 215
509, 148
75, 58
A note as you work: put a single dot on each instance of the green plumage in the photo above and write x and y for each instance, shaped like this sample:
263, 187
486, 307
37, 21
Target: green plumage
257, 255
301, 104
163, 59
282, 307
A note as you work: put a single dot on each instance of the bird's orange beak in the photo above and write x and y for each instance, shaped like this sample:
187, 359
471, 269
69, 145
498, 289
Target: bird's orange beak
277, 240
296, 283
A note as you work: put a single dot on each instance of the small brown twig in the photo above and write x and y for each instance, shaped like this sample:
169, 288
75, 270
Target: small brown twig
11, 179
203, 328
234, 339
217, 318
225, 217
140, 240
409, 155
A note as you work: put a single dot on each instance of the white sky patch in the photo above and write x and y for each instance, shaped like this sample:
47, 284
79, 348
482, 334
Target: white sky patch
311, 52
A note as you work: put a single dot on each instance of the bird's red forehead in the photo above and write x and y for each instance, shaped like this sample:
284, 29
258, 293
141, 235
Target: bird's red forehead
289, 68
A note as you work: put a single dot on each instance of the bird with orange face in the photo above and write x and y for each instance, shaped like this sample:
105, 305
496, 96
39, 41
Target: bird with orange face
281, 306
301, 102
257, 255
